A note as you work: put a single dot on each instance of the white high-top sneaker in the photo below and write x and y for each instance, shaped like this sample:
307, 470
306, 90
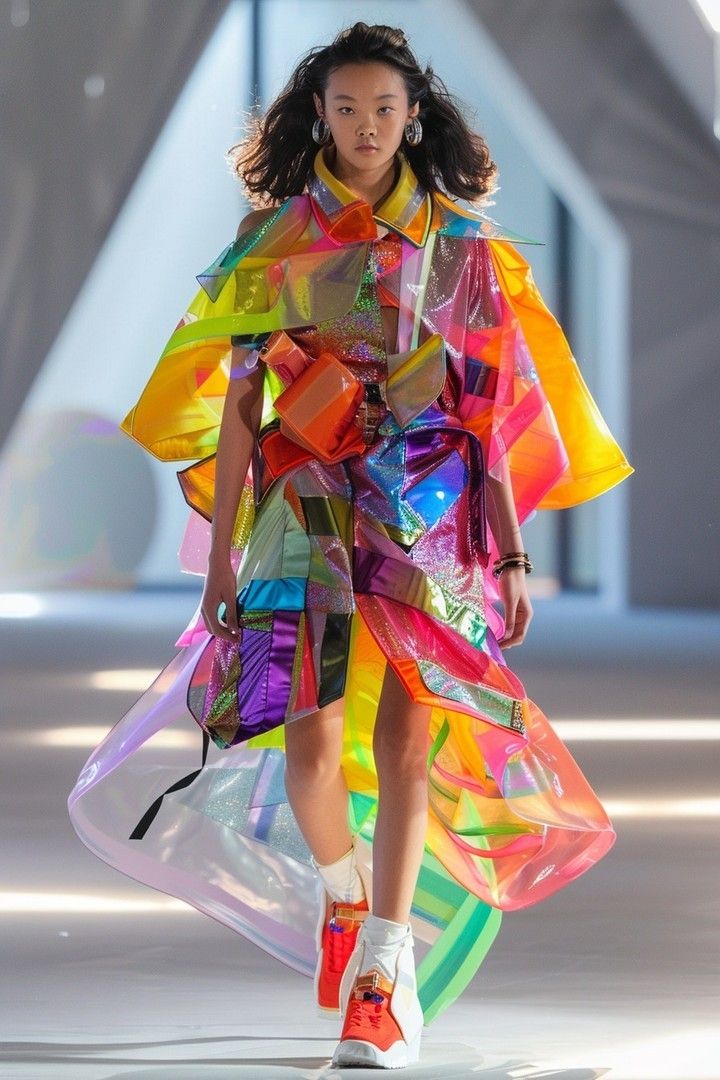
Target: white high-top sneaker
343, 907
383, 1019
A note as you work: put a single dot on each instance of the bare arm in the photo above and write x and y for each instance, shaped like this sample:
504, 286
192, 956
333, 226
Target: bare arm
502, 518
238, 431
501, 512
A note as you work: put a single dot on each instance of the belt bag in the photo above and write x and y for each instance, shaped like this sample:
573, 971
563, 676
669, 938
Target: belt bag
319, 410
329, 412
282, 354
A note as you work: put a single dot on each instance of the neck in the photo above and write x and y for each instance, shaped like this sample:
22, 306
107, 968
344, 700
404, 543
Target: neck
373, 186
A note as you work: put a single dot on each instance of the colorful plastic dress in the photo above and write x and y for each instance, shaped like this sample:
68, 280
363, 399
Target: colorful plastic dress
383, 558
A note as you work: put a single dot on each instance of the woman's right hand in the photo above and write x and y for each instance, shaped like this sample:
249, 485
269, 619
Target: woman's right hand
220, 587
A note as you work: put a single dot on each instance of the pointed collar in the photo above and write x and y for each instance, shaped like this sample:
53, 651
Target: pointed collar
407, 208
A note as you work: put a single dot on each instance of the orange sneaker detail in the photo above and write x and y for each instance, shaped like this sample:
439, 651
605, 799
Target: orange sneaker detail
368, 1017
339, 936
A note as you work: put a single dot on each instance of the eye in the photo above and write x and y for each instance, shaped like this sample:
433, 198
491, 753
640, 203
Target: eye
342, 108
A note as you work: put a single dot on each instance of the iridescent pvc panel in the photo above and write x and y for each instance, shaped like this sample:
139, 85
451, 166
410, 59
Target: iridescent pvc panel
341, 569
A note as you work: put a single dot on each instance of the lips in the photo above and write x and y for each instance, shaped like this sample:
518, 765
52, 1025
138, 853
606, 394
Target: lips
366, 146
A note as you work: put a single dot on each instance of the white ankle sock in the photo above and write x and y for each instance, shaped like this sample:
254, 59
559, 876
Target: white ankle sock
383, 940
385, 931
341, 878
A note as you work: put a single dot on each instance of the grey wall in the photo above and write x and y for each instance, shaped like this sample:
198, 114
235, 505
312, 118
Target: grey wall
81, 504
68, 158
658, 170
685, 45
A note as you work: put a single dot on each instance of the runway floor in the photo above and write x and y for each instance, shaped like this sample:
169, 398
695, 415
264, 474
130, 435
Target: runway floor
615, 976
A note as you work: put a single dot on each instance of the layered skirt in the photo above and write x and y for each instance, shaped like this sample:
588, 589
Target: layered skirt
382, 559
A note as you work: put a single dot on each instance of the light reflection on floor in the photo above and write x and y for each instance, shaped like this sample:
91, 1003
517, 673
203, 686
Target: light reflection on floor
615, 976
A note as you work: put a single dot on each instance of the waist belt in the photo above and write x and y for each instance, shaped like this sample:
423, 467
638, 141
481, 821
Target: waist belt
371, 410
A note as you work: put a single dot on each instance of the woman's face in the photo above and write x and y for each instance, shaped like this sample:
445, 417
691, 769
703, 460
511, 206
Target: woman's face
366, 103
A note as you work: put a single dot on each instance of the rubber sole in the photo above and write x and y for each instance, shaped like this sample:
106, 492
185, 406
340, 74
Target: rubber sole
359, 1052
325, 1012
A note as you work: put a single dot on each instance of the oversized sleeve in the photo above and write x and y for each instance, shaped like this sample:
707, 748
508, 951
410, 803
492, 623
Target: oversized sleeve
524, 394
177, 416
269, 278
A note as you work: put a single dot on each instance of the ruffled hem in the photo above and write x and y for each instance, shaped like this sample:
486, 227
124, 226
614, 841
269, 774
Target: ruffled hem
511, 817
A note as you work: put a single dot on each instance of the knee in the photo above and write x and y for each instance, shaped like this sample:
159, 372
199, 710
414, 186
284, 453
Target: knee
311, 766
401, 753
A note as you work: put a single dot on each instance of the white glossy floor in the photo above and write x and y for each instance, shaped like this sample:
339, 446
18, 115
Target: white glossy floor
617, 976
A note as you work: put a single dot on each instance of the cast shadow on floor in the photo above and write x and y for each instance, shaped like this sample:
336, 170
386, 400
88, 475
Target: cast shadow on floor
451, 1061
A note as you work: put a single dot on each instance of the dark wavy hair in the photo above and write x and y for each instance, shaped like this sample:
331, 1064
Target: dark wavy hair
274, 160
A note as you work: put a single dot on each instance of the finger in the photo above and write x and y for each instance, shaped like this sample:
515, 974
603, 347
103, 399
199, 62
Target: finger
213, 624
520, 628
224, 624
231, 614
510, 617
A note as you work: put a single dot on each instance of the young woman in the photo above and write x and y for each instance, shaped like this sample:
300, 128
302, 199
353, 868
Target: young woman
387, 372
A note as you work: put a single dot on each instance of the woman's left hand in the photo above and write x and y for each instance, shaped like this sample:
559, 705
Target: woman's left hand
517, 607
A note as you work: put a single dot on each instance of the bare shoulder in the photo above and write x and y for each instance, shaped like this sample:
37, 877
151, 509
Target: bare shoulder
253, 219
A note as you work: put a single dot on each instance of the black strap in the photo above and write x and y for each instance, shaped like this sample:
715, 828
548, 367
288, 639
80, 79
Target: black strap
146, 820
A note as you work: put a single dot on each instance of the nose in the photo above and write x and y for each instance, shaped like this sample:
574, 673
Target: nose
366, 126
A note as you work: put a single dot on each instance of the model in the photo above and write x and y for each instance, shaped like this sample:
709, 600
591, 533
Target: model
373, 397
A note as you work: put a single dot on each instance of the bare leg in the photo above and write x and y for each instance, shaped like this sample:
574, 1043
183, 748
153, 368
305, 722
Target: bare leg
315, 783
400, 747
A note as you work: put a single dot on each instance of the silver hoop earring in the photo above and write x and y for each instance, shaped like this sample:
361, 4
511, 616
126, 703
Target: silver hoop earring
321, 130
413, 131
